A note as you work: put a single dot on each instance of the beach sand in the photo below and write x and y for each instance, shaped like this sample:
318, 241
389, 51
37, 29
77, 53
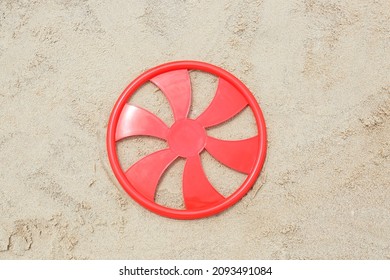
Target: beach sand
319, 69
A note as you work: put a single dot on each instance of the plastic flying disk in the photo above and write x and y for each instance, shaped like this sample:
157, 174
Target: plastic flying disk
186, 138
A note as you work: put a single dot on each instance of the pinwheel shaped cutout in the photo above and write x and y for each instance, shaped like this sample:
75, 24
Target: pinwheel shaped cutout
186, 138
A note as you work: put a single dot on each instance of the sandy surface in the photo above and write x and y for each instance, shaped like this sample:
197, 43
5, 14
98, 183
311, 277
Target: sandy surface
319, 69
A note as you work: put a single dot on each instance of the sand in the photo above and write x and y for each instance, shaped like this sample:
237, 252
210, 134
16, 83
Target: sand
320, 71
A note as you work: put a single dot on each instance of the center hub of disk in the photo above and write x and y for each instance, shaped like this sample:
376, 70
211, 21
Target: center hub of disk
187, 138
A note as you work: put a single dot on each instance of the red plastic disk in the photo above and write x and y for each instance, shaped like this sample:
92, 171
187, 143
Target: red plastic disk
186, 138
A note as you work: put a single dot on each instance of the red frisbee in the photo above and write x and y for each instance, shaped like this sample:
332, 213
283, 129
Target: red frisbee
186, 138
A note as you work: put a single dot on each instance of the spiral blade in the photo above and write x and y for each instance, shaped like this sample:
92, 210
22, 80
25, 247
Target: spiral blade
227, 102
239, 155
145, 174
176, 86
137, 121
197, 190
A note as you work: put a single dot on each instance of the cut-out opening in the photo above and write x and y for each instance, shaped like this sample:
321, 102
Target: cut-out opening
241, 126
169, 190
150, 97
132, 149
203, 85
224, 179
